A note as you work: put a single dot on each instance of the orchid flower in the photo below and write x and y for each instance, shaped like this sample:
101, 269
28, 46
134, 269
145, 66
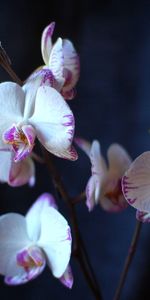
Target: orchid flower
62, 67
28, 243
104, 185
23, 118
136, 186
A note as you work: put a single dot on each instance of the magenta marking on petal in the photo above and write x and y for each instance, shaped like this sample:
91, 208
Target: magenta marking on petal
70, 121
73, 153
50, 31
9, 134
69, 238
131, 201
67, 278
142, 216
47, 77
46, 197
68, 95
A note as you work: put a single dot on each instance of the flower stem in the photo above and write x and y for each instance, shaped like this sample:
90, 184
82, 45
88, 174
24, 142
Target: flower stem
79, 198
131, 252
6, 64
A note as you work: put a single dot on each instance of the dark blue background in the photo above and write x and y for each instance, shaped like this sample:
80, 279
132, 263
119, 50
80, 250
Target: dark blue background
112, 105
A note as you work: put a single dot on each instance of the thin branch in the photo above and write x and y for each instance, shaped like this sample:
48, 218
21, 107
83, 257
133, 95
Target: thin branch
131, 252
79, 198
5, 62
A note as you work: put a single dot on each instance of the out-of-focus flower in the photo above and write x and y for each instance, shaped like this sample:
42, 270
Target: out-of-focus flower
28, 243
104, 185
23, 118
136, 186
62, 67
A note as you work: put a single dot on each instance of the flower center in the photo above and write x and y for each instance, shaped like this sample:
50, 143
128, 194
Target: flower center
20, 139
115, 193
30, 258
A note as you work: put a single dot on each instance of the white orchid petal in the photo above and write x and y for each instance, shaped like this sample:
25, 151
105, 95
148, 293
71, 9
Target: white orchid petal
93, 191
54, 123
46, 42
67, 278
71, 63
118, 159
13, 238
97, 161
56, 63
136, 183
30, 88
55, 240
33, 216
12, 99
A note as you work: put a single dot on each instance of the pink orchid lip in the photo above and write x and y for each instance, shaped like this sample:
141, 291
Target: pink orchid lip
21, 140
30, 258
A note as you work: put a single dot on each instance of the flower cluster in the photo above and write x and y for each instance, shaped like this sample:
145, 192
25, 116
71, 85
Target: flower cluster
37, 110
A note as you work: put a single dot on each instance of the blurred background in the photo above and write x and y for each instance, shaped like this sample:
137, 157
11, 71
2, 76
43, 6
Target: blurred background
112, 105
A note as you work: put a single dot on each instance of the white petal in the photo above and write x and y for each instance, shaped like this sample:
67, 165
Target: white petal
56, 63
30, 88
118, 159
55, 240
136, 183
13, 238
67, 278
97, 161
12, 100
54, 123
71, 63
93, 191
46, 42
33, 216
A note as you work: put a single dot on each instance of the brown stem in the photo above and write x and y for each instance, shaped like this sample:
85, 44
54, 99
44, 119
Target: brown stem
6, 64
128, 260
37, 158
79, 198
